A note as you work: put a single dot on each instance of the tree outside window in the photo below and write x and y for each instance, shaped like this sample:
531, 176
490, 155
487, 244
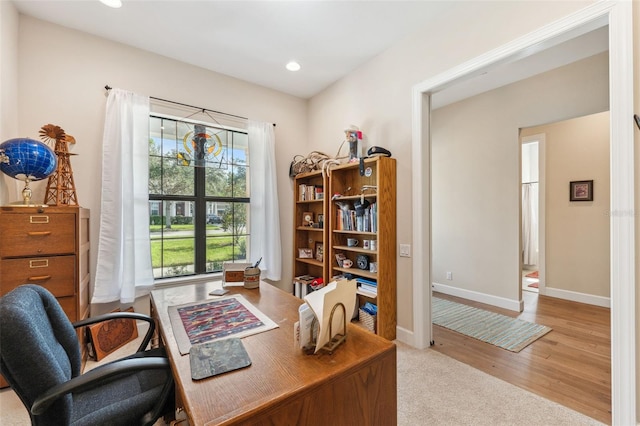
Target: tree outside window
198, 197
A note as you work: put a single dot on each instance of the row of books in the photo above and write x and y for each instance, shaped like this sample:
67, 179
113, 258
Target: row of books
368, 287
347, 220
310, 192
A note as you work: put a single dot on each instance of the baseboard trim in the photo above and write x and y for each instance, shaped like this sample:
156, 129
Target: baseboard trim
405, 336
500, 302
575, 296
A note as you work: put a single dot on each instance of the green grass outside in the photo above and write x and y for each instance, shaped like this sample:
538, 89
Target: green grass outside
158, 228
181, 251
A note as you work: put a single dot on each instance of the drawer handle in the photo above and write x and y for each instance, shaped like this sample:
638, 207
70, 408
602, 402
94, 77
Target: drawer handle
39, 278
39, 219
39, 233
39, 263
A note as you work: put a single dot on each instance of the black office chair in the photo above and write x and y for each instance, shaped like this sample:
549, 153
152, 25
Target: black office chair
40, 358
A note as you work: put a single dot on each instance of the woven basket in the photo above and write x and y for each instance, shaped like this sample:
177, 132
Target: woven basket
367, 320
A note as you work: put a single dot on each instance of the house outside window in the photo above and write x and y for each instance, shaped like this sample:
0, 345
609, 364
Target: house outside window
199, 196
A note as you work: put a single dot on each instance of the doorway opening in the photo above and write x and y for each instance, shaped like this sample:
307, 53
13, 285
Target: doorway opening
619, 18
531, 213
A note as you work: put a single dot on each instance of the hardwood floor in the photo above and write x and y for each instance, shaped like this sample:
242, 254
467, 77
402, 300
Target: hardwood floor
570, 365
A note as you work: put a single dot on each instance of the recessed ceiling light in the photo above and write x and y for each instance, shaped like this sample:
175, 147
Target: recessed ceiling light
293, 66
112, 3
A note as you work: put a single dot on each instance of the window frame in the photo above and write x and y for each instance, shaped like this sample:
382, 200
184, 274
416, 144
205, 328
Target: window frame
200, 201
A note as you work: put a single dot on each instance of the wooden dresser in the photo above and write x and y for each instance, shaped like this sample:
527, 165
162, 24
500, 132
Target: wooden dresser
48, 246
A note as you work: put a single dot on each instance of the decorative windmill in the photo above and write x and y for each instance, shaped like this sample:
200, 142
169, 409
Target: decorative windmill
61, 190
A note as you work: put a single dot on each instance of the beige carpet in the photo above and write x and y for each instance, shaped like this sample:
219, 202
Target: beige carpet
433, 389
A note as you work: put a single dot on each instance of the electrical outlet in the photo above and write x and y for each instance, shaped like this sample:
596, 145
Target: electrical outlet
449, 275
405, 250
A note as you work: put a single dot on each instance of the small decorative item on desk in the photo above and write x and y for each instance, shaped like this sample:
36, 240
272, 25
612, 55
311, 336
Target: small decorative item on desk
233, 272
27, 160
252, 276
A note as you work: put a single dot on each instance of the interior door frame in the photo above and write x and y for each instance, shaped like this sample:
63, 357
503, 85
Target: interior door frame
618, 15
541, 138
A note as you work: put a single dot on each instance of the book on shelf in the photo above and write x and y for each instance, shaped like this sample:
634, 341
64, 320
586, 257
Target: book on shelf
348, 220
367, 293
310, 192
368, 288
361, 280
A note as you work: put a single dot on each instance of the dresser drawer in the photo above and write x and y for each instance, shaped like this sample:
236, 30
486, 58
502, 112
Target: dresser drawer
68, 304
56, 273
37, 234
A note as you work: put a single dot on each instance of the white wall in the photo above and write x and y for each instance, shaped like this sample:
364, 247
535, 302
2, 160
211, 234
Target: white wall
476, 172
8, 87
577, 233
377, 96
636, 103
62, 77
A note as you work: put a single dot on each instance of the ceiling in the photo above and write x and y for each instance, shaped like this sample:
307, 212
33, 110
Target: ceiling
253, 40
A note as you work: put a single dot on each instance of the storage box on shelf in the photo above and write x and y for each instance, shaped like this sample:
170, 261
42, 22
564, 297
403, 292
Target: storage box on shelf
310, 230
362, 228
48, 246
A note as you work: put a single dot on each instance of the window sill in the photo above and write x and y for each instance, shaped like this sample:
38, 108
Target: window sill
191, 279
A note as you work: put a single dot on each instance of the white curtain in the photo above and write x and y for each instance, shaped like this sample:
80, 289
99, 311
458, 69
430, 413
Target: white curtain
123, 269
264, 211
530, 223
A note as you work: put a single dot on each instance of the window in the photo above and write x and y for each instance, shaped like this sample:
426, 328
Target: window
198, 196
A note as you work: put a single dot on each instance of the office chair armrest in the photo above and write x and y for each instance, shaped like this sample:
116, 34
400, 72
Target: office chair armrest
94, 377
126, 315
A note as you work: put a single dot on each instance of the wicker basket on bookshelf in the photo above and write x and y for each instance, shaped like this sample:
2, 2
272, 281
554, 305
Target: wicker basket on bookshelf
367, 320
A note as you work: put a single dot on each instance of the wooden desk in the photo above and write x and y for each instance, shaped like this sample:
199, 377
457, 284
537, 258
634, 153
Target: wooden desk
356, 385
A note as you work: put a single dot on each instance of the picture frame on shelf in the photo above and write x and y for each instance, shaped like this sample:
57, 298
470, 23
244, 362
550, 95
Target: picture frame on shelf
305, 253
319, 251
581, 190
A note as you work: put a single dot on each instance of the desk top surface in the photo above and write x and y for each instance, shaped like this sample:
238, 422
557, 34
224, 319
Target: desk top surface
278, 370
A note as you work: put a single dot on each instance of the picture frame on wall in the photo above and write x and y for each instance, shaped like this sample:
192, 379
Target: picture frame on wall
581, 190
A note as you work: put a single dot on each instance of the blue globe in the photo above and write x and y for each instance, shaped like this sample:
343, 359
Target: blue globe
28, 158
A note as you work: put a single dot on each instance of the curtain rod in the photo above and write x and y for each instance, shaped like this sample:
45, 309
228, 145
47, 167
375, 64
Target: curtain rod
107, 87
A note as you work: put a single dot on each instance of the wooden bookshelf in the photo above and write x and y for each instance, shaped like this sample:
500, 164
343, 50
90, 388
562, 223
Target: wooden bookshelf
375, 191
307, 201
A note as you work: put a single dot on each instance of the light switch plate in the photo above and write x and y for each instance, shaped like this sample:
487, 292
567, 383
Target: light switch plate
405, 250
